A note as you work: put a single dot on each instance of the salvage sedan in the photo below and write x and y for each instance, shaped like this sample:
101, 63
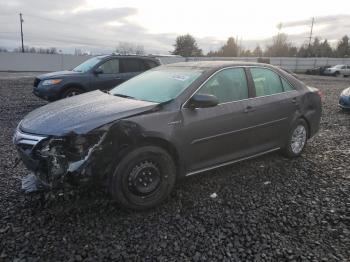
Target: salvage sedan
172, 121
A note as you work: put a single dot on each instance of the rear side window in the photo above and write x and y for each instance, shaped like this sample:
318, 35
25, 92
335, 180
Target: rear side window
150, 64
132, 65
110, 67
227, 85
266, 82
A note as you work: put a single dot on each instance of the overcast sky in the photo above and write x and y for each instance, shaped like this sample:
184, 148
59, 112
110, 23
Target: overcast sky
98, 25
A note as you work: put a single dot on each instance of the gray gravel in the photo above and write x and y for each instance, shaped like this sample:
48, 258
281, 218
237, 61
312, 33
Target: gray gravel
267, 209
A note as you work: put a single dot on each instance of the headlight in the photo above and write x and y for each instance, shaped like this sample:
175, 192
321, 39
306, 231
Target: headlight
51, 82
346, 92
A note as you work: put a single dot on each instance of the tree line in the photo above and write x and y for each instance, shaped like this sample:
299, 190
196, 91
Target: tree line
31, 49
186, 45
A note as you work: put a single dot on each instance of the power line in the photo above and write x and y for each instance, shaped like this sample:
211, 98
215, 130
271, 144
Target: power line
54, 20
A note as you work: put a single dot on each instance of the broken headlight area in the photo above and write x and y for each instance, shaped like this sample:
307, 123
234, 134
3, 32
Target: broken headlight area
67, 159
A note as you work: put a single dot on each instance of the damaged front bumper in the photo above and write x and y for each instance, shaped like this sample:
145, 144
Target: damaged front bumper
55, 161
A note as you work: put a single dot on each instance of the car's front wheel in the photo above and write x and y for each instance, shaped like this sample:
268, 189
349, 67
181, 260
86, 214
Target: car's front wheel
297, 139
144, 178
71, 91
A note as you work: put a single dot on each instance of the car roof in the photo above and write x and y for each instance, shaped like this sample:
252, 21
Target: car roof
127, 56
215, 64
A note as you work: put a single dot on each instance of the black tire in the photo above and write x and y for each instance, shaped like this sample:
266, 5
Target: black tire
71, 91
156, 169
288, 149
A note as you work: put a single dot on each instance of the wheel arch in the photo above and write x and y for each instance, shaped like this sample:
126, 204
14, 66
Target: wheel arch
308, 126
72, 85
168, 147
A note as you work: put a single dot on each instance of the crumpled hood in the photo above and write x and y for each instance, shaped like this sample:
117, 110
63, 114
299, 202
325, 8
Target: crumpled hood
82, 113
58, 74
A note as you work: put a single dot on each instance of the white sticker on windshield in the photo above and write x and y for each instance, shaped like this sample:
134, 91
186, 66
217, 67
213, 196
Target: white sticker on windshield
179, 77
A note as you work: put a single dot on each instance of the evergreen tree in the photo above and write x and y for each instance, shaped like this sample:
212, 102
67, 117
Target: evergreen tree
343, 48
186, 45
257, 51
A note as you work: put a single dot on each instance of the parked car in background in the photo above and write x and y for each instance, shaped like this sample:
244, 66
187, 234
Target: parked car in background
100, 72
344, 100
345, 71
169, 122
317, 70
334, 70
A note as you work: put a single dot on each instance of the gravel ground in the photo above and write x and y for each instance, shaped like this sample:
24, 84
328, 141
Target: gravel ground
267, 209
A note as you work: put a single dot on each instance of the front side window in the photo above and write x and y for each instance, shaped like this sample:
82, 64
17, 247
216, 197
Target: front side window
87, 65
266, 82
110, 67
157, 85
227, 85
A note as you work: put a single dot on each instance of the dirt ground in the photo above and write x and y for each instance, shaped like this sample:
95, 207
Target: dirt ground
267, 209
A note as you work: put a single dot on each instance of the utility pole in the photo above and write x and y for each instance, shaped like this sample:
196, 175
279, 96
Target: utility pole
21, 21
312, 27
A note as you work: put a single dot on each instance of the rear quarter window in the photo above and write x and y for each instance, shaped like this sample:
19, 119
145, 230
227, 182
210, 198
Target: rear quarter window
286, 85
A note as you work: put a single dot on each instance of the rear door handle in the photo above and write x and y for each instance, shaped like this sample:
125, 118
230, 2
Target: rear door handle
249, 109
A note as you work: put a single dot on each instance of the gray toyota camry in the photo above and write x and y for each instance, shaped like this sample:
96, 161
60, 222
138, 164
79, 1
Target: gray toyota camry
169, 122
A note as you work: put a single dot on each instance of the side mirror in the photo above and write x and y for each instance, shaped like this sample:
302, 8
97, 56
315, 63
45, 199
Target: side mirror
98, 71
202, 101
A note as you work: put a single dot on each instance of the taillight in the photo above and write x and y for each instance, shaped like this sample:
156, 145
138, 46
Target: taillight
321, 95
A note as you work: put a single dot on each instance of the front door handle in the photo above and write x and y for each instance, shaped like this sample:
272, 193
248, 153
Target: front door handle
249, 109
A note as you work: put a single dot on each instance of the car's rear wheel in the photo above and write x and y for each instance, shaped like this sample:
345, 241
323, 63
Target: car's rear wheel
297, 139
71, 91
144, 178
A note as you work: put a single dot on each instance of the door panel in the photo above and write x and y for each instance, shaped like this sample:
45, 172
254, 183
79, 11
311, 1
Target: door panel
218, 134
215, 135
275, 106
271, 119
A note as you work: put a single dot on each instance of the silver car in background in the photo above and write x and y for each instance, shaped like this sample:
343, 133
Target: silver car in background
345, 71
335, 70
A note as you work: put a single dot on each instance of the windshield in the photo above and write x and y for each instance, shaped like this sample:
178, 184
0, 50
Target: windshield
87, 65
158, 86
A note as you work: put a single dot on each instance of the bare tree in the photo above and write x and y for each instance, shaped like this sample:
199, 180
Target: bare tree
127, 48
281, 46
